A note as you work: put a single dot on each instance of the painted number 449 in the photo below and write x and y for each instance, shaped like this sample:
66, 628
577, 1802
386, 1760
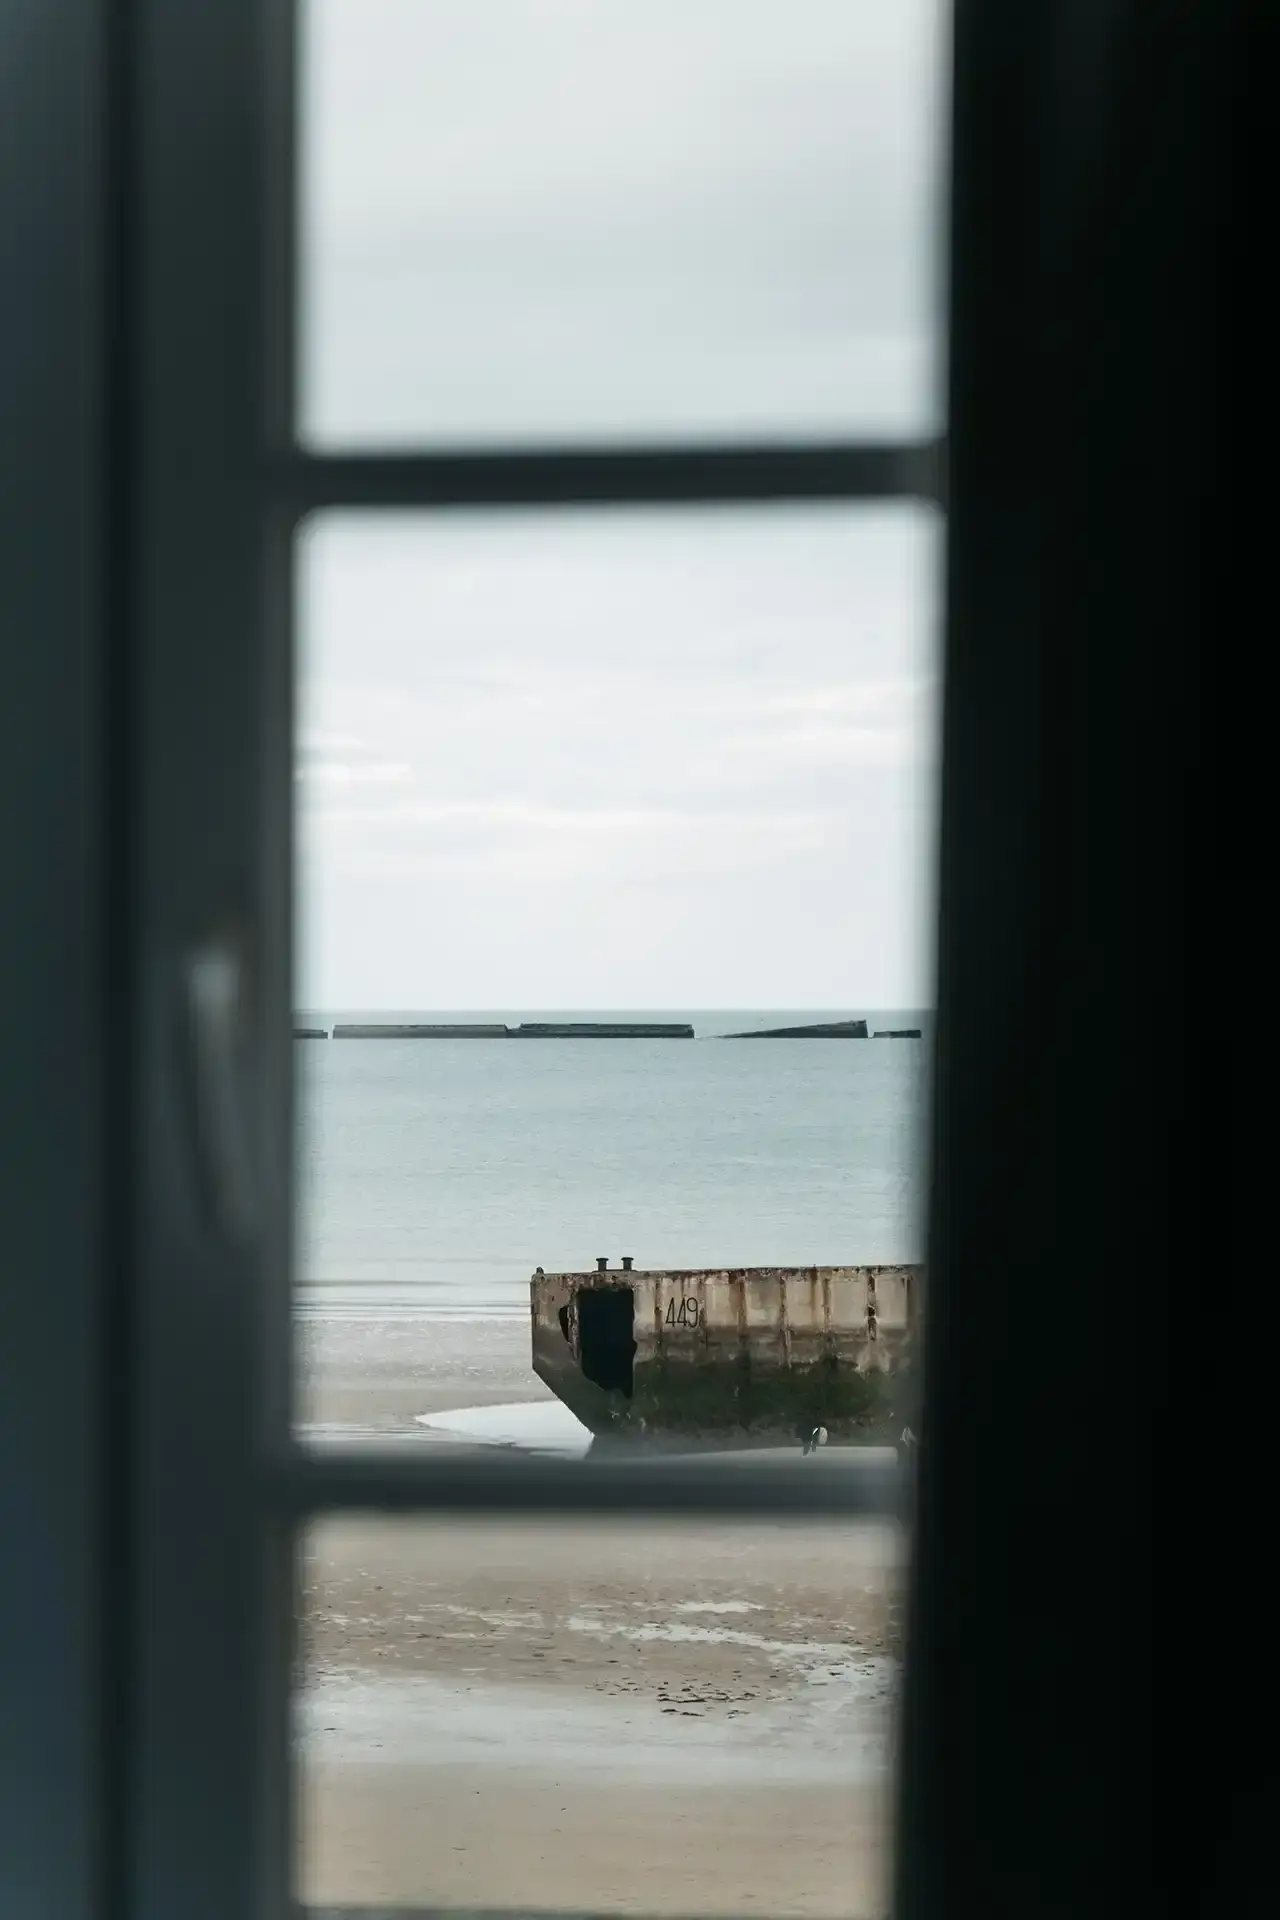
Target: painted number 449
685, 1315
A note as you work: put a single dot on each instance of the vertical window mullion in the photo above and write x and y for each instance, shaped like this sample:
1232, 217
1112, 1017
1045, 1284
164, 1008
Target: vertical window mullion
207, 1783
56, 1060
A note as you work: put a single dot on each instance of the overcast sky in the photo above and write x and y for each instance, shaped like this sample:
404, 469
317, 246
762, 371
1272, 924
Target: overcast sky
618, 760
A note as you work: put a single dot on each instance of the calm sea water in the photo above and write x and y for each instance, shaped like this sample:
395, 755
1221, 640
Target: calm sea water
435, 1175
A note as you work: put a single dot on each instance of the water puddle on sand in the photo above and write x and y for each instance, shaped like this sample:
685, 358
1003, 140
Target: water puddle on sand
854, 1679
537, 1426
419, 1720
547, 1426
678, 1630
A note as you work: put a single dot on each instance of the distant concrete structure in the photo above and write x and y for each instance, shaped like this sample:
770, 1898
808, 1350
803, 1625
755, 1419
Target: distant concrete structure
529, 1030
602, 1030
731, 1356
897, 1033
392, 1030
821, 1030
311, 1033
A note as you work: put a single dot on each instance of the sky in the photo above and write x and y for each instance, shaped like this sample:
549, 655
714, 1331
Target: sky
618, 759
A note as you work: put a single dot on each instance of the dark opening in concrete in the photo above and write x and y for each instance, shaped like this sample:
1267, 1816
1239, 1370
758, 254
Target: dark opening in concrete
606, 1337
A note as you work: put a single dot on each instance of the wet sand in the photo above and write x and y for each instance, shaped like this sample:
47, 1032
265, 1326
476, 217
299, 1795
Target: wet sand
664, 1718
378, 1374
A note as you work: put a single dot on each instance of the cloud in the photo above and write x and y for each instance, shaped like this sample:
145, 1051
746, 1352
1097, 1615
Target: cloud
320, 740
867, 698
559, 218
429, 824
345, 773
672, 756
575, 860
717, 723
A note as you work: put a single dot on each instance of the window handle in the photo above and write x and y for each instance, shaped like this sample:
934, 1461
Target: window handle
217, 991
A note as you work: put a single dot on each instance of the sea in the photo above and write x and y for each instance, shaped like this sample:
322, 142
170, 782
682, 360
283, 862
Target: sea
435, 1175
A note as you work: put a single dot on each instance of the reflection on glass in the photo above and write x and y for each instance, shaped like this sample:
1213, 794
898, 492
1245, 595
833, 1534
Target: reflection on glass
650, 1718
557, 220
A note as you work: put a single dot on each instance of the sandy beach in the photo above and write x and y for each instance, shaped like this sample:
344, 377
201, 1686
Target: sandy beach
660, 1718
375, 1375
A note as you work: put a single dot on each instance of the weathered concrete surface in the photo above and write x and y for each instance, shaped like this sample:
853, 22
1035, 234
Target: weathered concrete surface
822, 1030
740, 1355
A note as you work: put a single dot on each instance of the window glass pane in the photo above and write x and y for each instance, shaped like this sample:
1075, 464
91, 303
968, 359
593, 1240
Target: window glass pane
671, 767
652, 1718
649, 769
554, 220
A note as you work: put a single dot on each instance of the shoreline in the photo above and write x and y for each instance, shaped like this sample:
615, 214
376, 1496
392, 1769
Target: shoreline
665, 1717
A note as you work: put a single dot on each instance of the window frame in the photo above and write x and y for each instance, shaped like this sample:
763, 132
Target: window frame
145, 551
56, 1170
216, 490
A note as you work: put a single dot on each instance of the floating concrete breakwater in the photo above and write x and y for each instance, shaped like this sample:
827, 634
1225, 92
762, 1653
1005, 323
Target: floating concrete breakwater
602, 1030
736, 1356
529, 1030
821, 1030
400, 1030
589, 1030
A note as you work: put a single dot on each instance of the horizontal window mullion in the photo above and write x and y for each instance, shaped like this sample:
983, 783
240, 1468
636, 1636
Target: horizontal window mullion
420, 1482
870, 471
